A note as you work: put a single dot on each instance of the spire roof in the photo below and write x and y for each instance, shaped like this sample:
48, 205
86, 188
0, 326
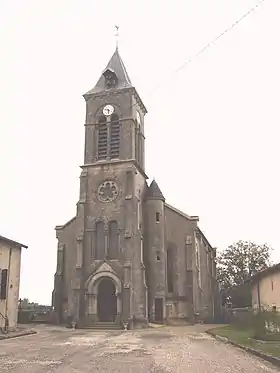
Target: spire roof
154, 192
116, 66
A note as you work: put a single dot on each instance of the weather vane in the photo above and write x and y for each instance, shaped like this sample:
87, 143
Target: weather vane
117, 36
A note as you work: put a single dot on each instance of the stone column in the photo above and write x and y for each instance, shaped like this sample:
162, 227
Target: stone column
79, 252
126, 299
119, 307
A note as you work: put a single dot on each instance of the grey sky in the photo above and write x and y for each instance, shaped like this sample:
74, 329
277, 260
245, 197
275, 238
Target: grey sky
212, 129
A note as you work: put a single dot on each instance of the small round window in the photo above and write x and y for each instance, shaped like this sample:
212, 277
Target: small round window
107, 191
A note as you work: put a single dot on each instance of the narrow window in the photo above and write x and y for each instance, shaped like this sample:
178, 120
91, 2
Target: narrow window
102, 146
158, 256
210, 267
113, 240
170, 284
157, 217
100, 241
4, 278
139, 214
139, 147
129, 183
141, 251
115, 137
272, 285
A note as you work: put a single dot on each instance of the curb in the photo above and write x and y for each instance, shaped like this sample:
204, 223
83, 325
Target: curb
16, 335
272, 359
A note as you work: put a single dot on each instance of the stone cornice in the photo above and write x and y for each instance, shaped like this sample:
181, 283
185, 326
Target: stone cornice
116, 161
115, 92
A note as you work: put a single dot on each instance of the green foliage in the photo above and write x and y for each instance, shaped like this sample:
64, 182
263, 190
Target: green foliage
240, 295
242, 320
266, 325
245, 337
240, 261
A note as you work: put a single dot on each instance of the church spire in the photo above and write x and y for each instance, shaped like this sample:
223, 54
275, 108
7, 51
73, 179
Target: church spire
113, 77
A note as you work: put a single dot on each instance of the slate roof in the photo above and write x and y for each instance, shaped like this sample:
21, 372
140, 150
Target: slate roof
154, 192
12, 242
117, 66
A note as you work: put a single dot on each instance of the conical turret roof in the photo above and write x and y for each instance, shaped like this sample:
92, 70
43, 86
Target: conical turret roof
154, 192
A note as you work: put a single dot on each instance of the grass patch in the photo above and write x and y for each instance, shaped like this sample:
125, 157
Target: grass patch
244, 337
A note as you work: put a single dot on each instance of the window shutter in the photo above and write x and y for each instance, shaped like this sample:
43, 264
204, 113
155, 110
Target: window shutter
4, 277
102, 141
115, 137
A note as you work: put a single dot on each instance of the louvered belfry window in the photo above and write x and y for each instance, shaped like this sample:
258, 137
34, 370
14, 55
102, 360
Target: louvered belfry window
102, 146
115, 137
108, 138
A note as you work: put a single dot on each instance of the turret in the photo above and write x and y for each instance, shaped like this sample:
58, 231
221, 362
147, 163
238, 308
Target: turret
154, 252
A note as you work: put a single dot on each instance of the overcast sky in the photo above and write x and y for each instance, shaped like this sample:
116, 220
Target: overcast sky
212, 137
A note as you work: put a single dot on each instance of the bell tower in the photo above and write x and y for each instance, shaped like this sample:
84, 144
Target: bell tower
114, 118
110, 208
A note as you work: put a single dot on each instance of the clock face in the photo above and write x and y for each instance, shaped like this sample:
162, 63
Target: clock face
138, 117
108, 110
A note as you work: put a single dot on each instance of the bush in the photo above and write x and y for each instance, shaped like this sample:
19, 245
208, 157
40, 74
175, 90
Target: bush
265, 325
240, 317
269, 337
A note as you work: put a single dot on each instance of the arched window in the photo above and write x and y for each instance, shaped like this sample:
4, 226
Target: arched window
115, 137
100, 241
113, 240
170, 269
102, 146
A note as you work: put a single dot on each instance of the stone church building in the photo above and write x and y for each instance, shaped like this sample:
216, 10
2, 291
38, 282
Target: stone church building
127, 256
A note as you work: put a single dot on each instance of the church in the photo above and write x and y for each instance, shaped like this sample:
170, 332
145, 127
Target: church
127, 257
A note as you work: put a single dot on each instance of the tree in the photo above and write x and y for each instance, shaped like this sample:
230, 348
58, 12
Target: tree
240, 261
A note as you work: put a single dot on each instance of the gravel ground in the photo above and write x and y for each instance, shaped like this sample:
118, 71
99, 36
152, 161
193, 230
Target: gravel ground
159, 350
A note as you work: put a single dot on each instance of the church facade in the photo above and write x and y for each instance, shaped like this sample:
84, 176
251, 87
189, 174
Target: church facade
127, 256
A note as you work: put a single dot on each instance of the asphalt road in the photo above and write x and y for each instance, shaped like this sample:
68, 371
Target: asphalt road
160, 350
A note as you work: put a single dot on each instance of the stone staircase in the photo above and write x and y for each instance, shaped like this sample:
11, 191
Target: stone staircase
104, 326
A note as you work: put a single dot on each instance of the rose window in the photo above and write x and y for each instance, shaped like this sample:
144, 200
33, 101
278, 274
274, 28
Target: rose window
107, 191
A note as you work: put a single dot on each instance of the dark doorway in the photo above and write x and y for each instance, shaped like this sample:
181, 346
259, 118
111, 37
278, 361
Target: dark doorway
106, 301
159, 310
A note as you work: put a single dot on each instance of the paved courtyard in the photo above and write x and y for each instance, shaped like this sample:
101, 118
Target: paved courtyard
160, 350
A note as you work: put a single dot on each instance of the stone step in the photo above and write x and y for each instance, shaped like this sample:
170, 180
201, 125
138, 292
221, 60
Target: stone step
104, 325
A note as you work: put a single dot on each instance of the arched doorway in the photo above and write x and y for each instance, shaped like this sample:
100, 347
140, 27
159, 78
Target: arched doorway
106, 300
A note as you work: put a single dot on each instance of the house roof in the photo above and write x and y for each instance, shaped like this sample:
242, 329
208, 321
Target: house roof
12, 242
264, 273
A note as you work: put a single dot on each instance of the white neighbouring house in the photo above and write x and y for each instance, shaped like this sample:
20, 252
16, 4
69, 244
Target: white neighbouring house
10, 258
